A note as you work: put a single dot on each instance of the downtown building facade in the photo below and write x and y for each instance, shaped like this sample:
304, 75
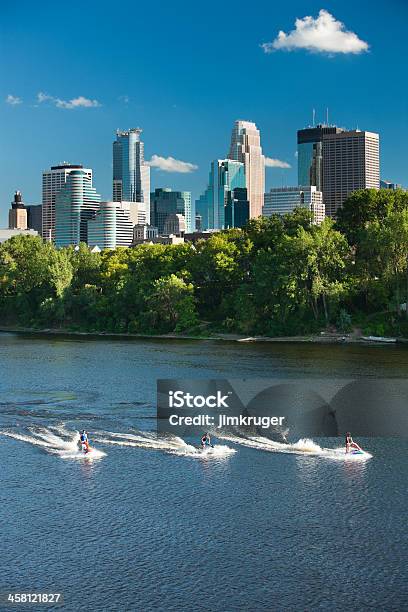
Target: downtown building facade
284, 200
351, 161
165, 202
75, 204
131, 174
18, 213
53, 181
337, 162
112, 226
310, 154
226, 175
246, 148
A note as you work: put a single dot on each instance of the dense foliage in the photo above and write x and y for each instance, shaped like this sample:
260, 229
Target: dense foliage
278, 276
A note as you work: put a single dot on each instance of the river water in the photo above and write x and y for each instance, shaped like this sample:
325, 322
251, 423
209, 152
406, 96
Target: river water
148, 524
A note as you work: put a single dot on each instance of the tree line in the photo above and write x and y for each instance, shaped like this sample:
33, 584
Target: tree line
277, 276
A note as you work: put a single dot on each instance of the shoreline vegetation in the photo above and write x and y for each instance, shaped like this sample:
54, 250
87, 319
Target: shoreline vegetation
322, 338
279, 279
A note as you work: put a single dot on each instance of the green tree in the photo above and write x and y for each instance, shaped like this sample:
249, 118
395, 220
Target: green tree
366, 205
171, 305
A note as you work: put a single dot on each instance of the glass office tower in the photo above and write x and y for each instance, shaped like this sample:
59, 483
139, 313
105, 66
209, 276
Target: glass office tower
310, 154
225, 176
165, 202
131, 175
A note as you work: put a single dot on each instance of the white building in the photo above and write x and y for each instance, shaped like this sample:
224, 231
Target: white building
6, 234
113, 224
53, 181
283, 200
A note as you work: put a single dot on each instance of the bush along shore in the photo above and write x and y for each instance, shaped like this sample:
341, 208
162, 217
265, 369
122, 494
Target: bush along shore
279, 276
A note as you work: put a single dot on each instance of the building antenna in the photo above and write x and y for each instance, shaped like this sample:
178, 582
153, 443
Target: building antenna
327, 116
314, 116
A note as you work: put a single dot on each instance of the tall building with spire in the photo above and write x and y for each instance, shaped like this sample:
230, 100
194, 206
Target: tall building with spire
18, 213
246, 148
131, 174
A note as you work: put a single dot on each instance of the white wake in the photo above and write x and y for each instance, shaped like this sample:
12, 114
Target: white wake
172, 445
55, 440
304, 446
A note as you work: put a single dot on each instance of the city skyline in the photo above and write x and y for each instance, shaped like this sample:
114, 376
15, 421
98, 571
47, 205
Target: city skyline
62, 116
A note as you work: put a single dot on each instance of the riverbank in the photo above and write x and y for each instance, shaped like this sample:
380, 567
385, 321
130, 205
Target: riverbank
322, 338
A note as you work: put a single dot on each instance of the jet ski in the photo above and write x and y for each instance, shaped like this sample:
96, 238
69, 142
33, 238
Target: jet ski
206, 449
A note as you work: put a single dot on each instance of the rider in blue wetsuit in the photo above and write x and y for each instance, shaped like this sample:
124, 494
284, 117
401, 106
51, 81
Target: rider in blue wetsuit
84, 440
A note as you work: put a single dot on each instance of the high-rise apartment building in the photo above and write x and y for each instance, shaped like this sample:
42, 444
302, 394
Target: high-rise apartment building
112, 226
52, 182
131, 174
165, 202
225, 176
310, 154
75, 204
246, 148
283, 200
351, 160
18, 213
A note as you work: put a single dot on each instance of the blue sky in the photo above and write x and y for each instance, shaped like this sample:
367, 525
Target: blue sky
184, 71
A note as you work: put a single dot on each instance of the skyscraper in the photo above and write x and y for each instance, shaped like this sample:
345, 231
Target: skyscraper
18, 213
75, 204
131, 175
165, 202
225, 176
52, 182
237, 208
246, 148
351, 160
310, 154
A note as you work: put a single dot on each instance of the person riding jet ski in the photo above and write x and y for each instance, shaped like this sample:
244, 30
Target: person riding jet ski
351, 444
206, 441
83, 436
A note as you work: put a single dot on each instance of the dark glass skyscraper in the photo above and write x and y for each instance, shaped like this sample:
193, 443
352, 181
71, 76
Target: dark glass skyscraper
165, 202
310, 154
131, 175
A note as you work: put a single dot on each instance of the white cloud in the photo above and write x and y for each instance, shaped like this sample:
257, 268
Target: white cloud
276, 163
324, 34
13, 100
124, 99
169, 164
78, 102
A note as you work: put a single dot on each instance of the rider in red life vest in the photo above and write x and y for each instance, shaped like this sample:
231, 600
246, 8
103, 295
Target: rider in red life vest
84, 441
